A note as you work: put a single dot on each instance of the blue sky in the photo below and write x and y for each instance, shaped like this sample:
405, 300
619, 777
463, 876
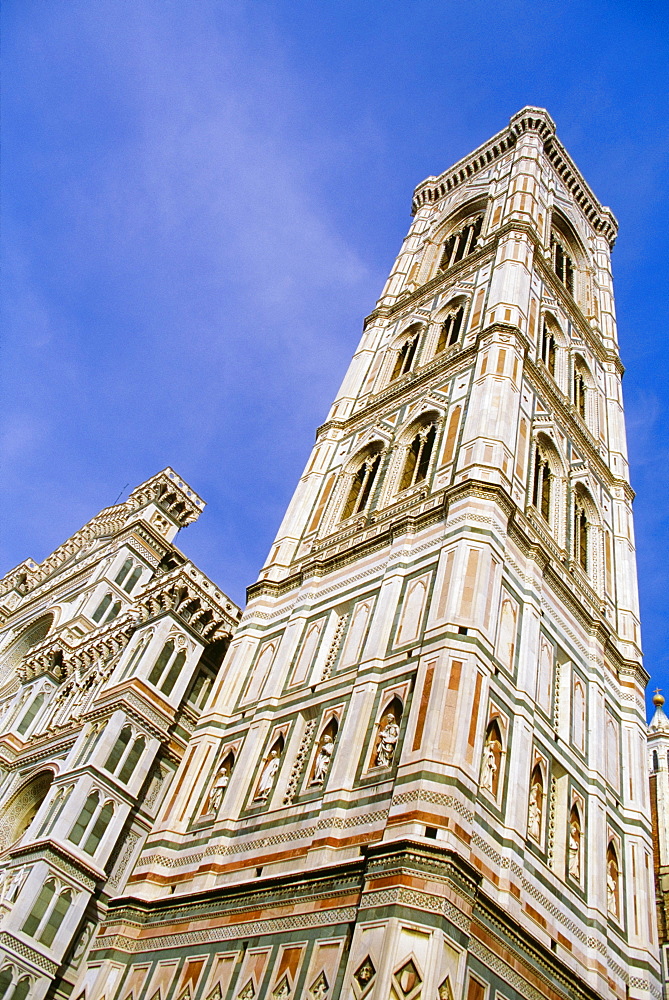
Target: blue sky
201, 201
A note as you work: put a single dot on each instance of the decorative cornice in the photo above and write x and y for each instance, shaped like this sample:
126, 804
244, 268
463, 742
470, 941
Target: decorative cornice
537, 120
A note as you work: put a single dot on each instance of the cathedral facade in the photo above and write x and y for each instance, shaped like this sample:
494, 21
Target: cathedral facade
420, 771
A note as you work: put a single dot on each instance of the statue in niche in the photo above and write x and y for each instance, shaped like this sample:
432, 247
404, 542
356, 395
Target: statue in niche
575, 846
218, 788
268, 773
535, 807
323, 759
388, 737
612, 875
492, 756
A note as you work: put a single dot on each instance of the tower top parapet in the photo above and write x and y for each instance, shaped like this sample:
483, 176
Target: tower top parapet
529, 119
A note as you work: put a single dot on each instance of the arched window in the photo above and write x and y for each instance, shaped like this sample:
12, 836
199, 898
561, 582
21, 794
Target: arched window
30, 714
54, 811
418, 457
56, 916
580, 391
563, 263
132, 579
85, 816
405, 355
23, 987
135, 657
160, 664
102, 607
461, 243
361, 487
450, 329
102, 821
123, 572
132, 760
48, 913
118, 749
167, 667
166, 685
541, 490
113, 611
40, 907
656, 763
5, 981
581, 535
548, 350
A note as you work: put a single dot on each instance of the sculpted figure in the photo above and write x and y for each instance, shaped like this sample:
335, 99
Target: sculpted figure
489, 765
612, 887
534, 812
388, 737
323, 759
574, 849
267, 775
218, 788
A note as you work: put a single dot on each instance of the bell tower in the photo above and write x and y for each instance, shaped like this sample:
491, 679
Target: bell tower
422, 773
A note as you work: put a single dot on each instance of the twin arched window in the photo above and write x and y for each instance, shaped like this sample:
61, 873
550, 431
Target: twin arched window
48, 912
130, 578
102, 607
406, 355
563, 263
21, 991
59, 800
541, 488
166, 669
125, 755
361, 487
415, 470
461, 243
31, 712
450, 329
91, 823
418, 457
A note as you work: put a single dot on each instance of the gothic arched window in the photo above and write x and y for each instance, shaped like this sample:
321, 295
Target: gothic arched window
548, 349
581, 535
541, 490
361, 487
450, 329
118, 749
123, 572
418, 457
656, 763
580, 391
461, 243
33, 709
102, 607
405, 355
563, 263
132, 579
